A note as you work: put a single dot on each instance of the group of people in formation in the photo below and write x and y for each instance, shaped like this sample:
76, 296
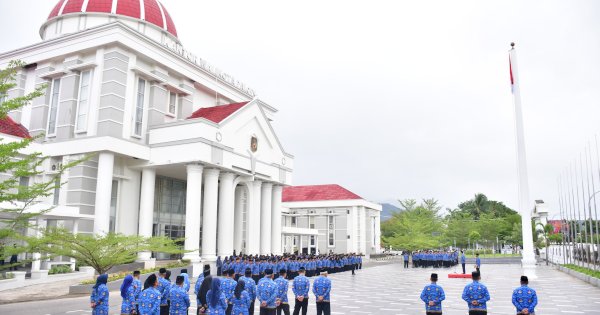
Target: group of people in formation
476, 295
240, 281
438, 259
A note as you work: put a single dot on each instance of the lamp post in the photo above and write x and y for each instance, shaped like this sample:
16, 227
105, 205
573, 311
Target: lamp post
597, 239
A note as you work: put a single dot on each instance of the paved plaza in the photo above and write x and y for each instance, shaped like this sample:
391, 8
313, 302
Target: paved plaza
390, 289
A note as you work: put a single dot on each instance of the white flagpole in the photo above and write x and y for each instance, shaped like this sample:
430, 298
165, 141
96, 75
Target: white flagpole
524, 204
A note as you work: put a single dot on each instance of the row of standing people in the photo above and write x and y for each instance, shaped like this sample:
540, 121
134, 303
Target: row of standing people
438, 259
226, 295
476, 295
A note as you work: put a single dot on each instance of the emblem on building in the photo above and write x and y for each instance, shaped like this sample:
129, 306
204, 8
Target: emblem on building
253, 144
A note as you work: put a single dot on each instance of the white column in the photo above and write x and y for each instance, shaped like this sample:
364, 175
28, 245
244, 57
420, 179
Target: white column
276, 220
265, 218
226, 215
36, 263
253, 218
209, 214
317, 245
75, 231
106, 161
362, 218
193, 200
300, 245
378, 233
238, 228
146, 216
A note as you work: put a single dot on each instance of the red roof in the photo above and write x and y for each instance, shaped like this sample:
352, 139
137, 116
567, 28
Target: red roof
217, 113
10, 127
154, 12
317, 193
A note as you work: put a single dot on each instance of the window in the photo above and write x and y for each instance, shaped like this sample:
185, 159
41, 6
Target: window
53, 112
293, 221
23, 183
331, 230
139, 108
56, 191
113, 205
83, 106
172, 103
312, 240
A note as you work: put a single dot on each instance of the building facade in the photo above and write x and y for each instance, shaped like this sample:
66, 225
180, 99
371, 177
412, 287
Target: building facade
329, 219
177, 147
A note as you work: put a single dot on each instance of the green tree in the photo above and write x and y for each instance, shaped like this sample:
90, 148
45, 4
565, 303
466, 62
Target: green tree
102, 252
543, 239
17, 215
416, 227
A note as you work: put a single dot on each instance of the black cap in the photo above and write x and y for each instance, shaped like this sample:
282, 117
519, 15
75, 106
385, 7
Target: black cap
179, 279
474, 274
434, 276
524, 279
248, 272
136, 272
230, 272
302, 269
184, 270
162, 271
282, 271
269, 271
206, 267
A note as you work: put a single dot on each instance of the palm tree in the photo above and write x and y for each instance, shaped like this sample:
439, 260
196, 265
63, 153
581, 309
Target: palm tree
544, 236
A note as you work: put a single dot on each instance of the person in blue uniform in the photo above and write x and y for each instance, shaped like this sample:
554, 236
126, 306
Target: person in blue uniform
524, 298
250, 288
186, 280
322, 290
477, 263
137, 289
163, 287
433, 295
463, 260
128, 295
205, 273
228, 286
150, 297
476, 295
300, 287
180, 300
282, 293
99, 296
219, 266
267, 294
255, 271
240, 299
406, 256
217, 304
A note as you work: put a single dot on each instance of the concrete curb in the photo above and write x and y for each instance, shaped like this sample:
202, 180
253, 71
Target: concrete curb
581, 276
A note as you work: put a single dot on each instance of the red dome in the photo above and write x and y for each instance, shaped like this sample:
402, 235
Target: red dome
151, 11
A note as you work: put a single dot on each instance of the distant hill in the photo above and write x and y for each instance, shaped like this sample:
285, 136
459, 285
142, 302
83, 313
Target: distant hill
387, 209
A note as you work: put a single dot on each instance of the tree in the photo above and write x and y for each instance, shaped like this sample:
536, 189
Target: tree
417, 227
102, 252
544, 233
17, 215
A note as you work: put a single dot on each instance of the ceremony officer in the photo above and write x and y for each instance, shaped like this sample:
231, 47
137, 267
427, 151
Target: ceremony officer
300, 287
476, 295
477, 264
267, 294
406, 256
99, 296
322, 290
524, 298
282, 293
433, 295
180, 300
463, 260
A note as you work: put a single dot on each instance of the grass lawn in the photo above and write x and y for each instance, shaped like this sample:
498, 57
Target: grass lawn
587, 271
470, 255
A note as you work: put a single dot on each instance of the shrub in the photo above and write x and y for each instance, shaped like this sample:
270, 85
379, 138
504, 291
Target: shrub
58, 269
8, 275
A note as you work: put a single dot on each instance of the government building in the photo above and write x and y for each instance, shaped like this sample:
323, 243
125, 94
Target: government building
179, 148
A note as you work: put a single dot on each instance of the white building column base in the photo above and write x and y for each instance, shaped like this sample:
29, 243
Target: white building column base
148, 263
39, 274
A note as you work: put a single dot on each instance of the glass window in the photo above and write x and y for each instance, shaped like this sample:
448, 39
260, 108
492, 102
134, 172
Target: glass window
331, 230
83, 106
139, 108
113, 205
56, 191
172, 103
169, 211
53, 112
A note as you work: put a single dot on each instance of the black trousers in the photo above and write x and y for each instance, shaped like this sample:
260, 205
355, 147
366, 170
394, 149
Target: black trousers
463, 265
251, 308
228, 310
301, 306
477, 312
283, 307
268, 311
406, 264
433, 313
164, 309
479, 272
323, 308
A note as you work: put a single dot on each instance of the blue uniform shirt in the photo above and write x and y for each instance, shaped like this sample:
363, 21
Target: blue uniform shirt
228, 287
128, 301
524, 297
186, 282
282, 289
463, 258
150, 302
137, 291
322, 287
405, 256
301, 286
197, 287
476, 291
180, 301
241, 305
100, 297
433, 293
218, 309
164, 286
267, 292
250, 287
478, 262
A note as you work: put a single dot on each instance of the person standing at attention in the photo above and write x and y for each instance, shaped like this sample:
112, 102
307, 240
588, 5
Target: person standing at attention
250, 288
524, 298
322, 291
406, 256
282, 293
463, 260
99, 297
476, 295
180, 300
128, 295
477, 263
433, 295
267, 294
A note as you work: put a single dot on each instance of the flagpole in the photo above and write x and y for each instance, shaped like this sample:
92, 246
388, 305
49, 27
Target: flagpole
528, 260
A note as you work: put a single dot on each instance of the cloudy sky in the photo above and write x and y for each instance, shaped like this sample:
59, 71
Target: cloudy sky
401, 99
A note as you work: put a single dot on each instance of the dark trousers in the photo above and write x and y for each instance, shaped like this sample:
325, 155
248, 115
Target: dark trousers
477, 312
478, 270
323, 308
463, 265
301, 305
433, 313
164, 309
406, 264
283, 307
219, 271
251, 309
267, 311
228, 310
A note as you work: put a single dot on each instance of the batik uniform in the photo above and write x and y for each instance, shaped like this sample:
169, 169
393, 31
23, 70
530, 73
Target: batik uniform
180, 301
241, 305
197, 287
150, 302
301, 286
128, 304
218, 309
100, 298
322, 287
524, 297
282, 290
267, 292
228, 287
476, 291
164, 286
250, 287
433, 293
137, 290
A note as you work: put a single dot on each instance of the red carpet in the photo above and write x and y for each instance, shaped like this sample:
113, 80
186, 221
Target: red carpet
459, 275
